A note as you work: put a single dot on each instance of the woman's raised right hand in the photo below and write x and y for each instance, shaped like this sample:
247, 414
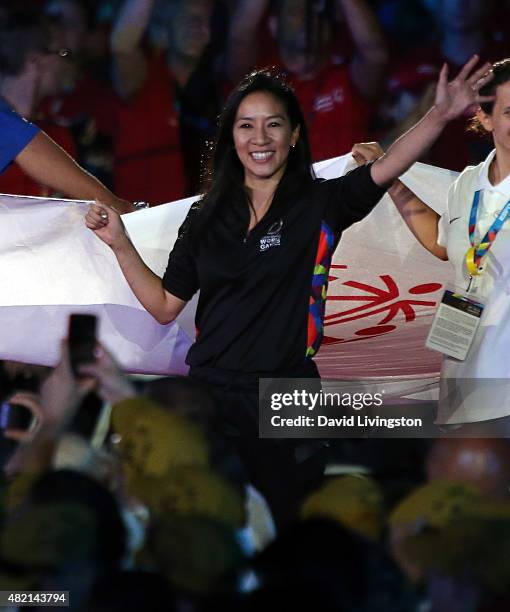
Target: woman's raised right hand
106, 223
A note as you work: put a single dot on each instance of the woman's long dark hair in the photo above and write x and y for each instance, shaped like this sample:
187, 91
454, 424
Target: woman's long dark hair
224, 172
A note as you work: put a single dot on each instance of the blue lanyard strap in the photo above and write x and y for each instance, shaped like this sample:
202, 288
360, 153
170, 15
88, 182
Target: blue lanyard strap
475, 254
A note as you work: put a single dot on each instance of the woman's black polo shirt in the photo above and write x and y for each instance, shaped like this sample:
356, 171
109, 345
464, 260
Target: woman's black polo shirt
262, 299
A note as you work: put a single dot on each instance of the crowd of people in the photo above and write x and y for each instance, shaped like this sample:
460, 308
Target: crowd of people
132, 89
160, 495
157, 512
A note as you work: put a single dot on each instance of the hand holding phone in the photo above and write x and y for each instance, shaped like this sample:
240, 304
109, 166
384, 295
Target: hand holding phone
81, 340
15, 416
20, 413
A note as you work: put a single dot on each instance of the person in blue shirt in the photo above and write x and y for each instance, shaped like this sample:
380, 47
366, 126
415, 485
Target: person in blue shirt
43, 160
27, 68
16, 135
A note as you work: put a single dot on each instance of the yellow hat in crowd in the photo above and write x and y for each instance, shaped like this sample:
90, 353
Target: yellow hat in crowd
192, 491
436, 504
152, 439
165, 459
440, 504
457, 532
355, 501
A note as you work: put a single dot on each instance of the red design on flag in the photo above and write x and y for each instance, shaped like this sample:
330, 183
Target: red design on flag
386, 300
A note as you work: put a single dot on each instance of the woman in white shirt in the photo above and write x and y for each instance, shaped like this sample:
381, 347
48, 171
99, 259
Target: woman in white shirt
477, 389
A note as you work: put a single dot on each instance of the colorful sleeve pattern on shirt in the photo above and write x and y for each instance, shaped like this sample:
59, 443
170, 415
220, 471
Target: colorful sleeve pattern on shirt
319, 289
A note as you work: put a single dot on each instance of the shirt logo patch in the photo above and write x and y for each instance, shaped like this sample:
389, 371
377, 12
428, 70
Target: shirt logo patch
273, 236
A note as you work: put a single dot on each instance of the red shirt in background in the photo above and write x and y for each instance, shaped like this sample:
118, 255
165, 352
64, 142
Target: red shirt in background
148, 163
88, 100
336, 115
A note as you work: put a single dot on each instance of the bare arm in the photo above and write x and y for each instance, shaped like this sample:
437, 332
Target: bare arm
146, 285
367, 66
47, 163
419, 218
130, 66
242, 47
451, 101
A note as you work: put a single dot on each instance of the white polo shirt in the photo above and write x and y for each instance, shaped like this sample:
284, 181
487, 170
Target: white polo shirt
471, 397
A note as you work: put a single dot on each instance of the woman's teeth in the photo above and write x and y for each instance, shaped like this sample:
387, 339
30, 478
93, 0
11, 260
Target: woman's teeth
262, 156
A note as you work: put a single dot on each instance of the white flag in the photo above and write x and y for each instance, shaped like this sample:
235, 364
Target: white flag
383, 291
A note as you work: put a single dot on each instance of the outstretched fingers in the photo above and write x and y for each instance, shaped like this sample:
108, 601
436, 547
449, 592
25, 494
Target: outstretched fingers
468, 66
479, 79
443, 76
482, 75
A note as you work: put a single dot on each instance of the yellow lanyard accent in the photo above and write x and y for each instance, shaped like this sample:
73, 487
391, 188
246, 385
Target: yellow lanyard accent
473, 269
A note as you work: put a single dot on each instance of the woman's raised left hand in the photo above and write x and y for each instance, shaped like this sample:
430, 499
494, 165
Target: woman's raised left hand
454, 98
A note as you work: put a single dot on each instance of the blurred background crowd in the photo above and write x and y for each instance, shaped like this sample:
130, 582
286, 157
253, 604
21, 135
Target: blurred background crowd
130, 494
132, 88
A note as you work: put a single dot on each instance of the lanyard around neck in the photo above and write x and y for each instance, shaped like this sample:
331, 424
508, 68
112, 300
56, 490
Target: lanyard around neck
477, 251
